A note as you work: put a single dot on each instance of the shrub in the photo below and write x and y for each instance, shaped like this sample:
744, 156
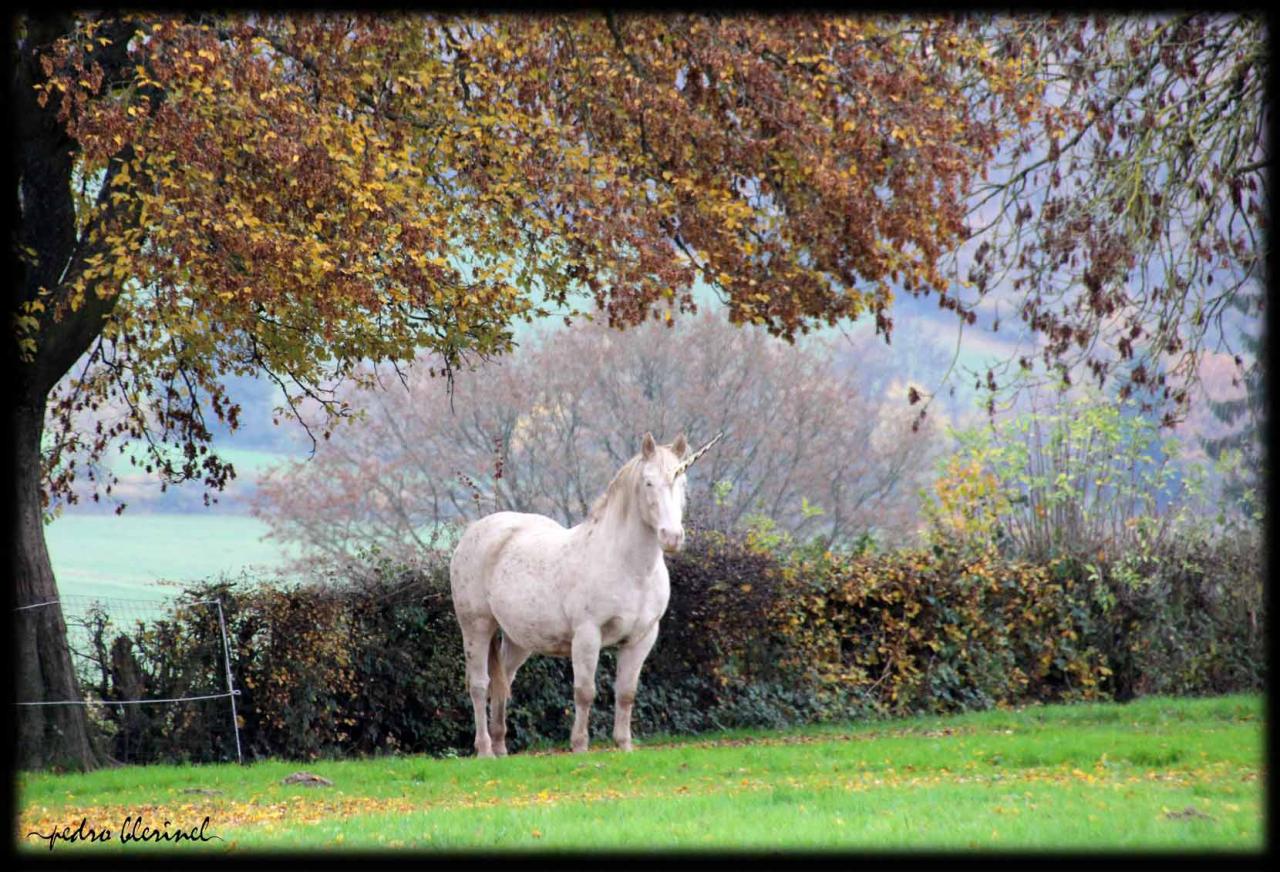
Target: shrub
1184, 617
922, 630
1075, 475
759, 633
371, 662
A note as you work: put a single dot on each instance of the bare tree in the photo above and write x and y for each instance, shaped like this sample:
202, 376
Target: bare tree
1123, 228
805, 444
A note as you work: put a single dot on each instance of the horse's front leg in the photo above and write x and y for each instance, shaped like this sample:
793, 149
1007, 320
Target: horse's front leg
630, 659
586, 654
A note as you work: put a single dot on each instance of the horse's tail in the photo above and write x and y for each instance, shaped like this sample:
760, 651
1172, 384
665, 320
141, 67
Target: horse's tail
499, 686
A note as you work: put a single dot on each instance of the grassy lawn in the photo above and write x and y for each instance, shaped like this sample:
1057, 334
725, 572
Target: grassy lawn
1156, 774
111, 557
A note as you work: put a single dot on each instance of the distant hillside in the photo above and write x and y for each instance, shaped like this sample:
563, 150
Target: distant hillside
149, 556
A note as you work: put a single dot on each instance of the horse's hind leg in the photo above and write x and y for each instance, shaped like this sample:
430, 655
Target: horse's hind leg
476, 636
586, 654
503, 663
630, 659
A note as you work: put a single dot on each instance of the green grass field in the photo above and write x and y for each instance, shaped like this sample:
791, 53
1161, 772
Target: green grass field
148, 557
1156, 774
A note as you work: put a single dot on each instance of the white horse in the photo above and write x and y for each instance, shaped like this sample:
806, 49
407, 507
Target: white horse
569, 592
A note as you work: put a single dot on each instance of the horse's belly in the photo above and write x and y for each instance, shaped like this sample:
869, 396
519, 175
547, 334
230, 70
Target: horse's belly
526, 603
539, 636
526, 622
539, 596
558, 641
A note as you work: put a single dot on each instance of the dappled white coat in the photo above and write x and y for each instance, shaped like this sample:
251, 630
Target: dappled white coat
568, 592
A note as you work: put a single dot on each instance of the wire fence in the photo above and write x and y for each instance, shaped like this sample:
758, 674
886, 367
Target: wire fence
109, 637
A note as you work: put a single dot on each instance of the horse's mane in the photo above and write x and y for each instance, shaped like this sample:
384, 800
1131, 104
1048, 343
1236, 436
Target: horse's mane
623, 483
622, 486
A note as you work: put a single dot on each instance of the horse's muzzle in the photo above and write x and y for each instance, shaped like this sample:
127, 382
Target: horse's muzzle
671, 540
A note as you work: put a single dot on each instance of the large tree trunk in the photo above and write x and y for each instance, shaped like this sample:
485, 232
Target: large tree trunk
47, 735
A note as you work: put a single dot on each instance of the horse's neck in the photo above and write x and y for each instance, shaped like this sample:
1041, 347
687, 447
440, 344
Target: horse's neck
623, 539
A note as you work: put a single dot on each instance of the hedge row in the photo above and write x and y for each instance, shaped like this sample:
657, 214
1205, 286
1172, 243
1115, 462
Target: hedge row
754, 636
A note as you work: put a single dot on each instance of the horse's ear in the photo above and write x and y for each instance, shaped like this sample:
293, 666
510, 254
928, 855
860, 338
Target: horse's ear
648, 446
680, 446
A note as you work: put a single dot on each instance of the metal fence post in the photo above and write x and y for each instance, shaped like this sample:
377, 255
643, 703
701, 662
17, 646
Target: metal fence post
226, 649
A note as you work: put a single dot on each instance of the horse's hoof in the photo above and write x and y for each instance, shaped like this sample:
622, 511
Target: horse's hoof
484, 754
625, 746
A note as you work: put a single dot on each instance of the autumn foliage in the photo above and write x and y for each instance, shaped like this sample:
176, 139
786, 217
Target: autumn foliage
918, 633
202, 195
294, 195
1126, 225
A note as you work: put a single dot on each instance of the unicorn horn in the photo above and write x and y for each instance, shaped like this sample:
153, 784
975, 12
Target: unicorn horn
693, 457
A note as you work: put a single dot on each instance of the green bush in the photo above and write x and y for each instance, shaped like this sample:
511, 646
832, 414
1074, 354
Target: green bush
927, 631
759, 633
1183, 618
372, 663
180, 655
